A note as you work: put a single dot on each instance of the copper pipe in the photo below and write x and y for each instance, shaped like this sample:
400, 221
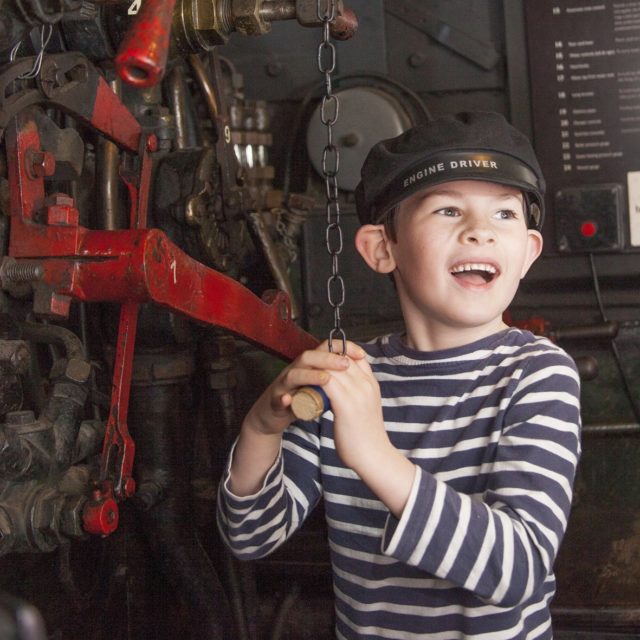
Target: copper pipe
186, 135
109, 178
205, 85
274, 260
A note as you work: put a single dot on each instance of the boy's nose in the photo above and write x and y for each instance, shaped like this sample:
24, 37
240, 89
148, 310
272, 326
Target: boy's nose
477, 232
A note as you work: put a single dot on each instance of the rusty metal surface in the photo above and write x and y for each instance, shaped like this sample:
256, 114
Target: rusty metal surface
65, 260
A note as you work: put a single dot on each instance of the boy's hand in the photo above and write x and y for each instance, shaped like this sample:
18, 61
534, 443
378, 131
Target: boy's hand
271, 413
359, 432
360, 436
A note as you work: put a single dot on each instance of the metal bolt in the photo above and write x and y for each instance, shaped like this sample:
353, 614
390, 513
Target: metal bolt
349, 140
21, 272
60, 199
63, 216
152, 143
417, 59
129, 487
274, 69
49, 303
39, 164
61, 210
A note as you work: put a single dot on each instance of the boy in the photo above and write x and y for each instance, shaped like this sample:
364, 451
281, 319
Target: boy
447, 460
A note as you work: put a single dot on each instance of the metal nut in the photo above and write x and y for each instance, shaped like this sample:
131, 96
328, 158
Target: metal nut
247, 18
63, 216
39, 164
71, 516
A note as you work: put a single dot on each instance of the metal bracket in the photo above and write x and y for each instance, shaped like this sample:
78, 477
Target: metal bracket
479, 52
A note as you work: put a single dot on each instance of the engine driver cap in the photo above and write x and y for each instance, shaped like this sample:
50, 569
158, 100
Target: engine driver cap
465, 146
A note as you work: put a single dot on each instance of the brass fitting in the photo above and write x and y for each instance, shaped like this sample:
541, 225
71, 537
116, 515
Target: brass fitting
200, 25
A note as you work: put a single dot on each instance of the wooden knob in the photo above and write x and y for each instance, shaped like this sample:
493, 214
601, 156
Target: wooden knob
309, 403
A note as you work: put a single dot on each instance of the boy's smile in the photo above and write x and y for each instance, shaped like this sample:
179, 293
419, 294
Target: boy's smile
461, 249
474, 274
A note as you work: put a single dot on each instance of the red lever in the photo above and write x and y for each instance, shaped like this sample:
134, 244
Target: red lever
344, 27
142, 56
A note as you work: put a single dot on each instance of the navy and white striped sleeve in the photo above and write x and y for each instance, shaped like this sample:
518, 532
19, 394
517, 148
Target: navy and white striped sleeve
501, 545
255, 525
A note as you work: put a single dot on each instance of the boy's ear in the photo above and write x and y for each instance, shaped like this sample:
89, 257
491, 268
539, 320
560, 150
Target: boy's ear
534, 248
372, 244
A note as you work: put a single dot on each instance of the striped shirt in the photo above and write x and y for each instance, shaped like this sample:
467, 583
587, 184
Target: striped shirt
493, 429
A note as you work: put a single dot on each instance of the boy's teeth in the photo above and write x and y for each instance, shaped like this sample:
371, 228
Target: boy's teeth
474, 266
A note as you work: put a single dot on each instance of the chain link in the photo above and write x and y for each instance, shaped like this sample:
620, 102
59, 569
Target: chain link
329, 109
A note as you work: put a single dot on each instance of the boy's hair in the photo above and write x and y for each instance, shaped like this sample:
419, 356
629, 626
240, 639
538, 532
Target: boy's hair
466, 146
389, 222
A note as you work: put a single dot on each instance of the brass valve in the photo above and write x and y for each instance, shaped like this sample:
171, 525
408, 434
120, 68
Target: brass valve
200, 25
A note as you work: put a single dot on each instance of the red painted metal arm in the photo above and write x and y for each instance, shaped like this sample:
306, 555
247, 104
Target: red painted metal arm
145, 266
64, 260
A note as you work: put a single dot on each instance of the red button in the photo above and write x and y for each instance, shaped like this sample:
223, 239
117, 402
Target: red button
589, 229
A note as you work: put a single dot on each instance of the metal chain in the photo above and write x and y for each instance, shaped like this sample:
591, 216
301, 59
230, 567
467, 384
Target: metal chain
327, 10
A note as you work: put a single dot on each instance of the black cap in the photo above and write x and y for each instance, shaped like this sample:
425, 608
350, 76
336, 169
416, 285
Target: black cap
465, 146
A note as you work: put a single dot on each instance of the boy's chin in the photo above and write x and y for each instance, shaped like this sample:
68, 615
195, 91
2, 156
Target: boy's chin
481, 324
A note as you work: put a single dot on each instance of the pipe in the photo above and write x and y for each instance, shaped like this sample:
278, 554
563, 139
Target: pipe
274, 260
272, 11
612, 619
611, 429
108, 160
32, 447
205, 86
187, 135
604, 330
65, 406
156, 416
54, 334
220, 360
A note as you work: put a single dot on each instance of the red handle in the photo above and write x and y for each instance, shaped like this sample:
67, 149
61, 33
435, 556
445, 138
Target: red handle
344, 27
142, 57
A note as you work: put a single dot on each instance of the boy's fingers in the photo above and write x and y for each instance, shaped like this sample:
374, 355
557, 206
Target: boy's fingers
295, 378
363, 364
319, 359
352, 350
355, 351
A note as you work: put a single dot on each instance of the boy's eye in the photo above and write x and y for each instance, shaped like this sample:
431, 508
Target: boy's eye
450, 212
505, 214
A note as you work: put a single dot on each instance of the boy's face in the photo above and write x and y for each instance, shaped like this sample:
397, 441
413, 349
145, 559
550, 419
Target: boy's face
462, 248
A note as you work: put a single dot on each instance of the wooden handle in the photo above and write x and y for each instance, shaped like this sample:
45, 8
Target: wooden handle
309, 403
